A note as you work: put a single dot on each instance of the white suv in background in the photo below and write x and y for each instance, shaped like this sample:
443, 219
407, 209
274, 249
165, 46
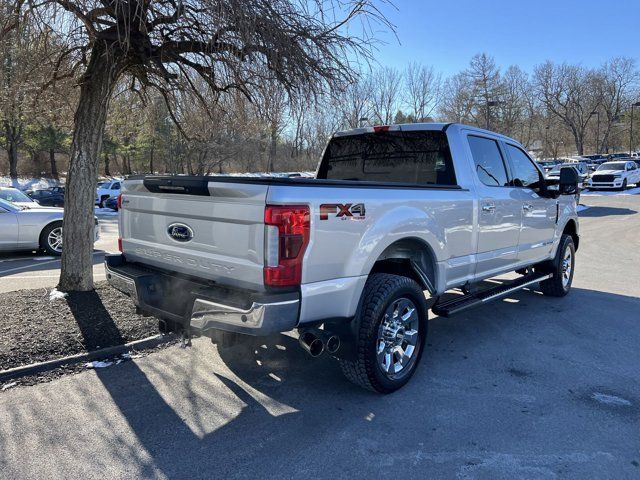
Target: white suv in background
618, 175
105, 190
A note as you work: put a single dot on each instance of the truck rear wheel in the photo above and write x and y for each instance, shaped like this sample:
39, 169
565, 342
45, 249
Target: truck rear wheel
391, 328
562, 268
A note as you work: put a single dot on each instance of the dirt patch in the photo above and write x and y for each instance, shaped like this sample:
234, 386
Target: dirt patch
35, 329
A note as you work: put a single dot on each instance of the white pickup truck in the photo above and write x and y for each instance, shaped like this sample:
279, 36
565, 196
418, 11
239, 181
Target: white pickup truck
618, 175
354, 258
106, 190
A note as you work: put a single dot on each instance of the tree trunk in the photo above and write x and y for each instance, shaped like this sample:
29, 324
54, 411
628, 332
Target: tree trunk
89, 121
578, 139
107, 160
52, 162
273, 149
151, 161
12, 151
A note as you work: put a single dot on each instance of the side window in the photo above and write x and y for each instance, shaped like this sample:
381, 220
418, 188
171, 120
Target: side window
115, 186
523, 171
488, 160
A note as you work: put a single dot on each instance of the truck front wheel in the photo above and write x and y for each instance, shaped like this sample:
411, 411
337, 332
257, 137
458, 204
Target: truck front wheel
562, 268
391, 328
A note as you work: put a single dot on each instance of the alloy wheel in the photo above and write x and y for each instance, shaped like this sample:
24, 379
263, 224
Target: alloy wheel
398, 338
566, 267
54, 240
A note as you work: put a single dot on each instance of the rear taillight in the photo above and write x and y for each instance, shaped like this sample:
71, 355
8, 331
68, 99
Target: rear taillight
120, 245
119, 202
286, 239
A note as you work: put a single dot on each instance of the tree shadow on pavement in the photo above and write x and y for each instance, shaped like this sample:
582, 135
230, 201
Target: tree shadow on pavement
94, 321
596, 211
270, 410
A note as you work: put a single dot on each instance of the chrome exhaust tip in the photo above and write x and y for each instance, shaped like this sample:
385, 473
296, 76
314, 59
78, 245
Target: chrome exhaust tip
310, 342
331, 342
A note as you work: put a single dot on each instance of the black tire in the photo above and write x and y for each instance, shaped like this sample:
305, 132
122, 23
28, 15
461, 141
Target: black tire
382, 291
624, 185
102, 200
46, 243
559, 285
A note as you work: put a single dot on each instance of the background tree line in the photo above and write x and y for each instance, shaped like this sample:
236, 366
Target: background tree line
555, 110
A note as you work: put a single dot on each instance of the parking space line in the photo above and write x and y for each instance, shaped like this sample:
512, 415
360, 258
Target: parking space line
3, 272
31, 265
27, 277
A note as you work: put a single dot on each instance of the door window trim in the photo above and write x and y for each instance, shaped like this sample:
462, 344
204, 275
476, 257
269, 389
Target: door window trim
502, 157
533, 162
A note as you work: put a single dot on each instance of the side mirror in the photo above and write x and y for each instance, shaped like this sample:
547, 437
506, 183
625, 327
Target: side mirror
568, 181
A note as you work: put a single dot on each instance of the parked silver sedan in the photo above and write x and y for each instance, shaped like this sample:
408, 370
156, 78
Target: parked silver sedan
32, 229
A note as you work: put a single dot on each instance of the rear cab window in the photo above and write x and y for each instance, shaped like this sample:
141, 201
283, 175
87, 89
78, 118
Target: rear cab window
413, 157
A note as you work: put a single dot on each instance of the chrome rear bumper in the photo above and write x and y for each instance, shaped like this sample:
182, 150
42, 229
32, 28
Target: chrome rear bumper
204, 307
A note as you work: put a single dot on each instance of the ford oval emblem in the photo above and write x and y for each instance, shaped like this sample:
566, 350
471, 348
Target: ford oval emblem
180, 232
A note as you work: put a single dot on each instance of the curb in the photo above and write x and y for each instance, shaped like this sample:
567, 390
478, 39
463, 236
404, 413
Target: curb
103, 353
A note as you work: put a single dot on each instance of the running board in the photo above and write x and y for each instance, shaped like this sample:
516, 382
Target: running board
464, 302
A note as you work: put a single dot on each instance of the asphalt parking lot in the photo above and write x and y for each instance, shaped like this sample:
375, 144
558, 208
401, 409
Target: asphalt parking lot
528, 387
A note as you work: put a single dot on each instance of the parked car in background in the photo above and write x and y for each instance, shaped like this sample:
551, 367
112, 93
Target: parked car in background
594, 161
596, 158
32, 228
547, 165
17, 197
616, 175
617, 156
48, 197
112, 203
581, 168
106, 190
577, 159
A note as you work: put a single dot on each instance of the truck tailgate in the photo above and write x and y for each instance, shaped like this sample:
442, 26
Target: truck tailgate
215, 231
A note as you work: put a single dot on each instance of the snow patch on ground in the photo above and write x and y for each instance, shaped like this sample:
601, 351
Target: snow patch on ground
24, 183
98, 364
55, 294
106, 211
115, 361
610, 399
9, 385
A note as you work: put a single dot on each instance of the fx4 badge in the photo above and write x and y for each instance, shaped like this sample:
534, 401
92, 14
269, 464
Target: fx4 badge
347, 211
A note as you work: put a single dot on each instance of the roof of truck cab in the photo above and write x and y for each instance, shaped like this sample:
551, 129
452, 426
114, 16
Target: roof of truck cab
395, 127
407, 127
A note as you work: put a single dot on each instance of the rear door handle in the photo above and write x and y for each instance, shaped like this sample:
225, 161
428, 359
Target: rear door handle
527, 207
488, 208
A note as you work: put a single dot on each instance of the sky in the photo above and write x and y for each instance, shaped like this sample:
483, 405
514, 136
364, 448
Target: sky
447, 33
